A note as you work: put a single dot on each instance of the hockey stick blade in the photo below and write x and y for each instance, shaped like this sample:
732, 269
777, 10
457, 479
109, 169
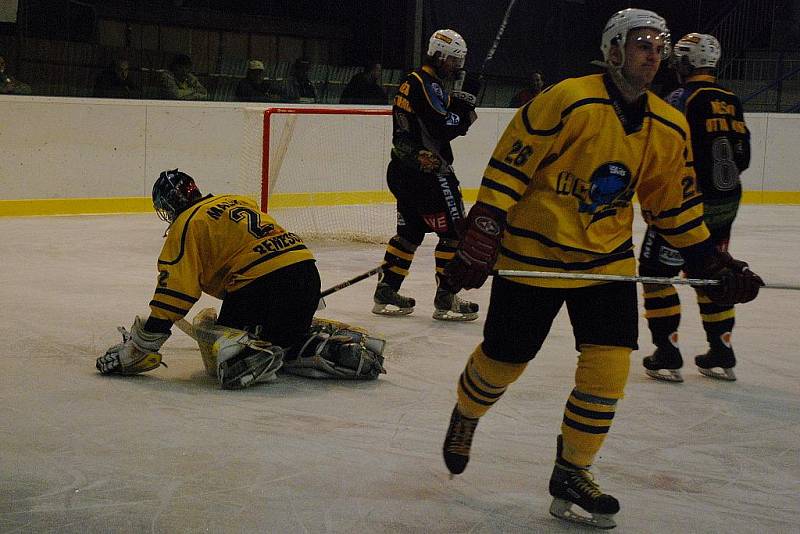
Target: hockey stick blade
696, 282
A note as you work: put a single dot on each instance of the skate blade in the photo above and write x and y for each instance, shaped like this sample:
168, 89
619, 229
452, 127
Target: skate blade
667, 375
563, 509
390, 310
448, 315
720, 373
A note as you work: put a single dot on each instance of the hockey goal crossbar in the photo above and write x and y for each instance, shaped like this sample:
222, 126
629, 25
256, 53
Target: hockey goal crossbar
655, 280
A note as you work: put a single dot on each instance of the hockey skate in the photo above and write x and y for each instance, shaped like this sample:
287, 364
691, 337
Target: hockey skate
717, 363
572, 487
390, 302
450, 307
458, 441
664, 364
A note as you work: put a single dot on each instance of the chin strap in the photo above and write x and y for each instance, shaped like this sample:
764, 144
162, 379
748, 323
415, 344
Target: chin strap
629, 92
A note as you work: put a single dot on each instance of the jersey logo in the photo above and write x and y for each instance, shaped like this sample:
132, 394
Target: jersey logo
670, 256
609, 188
436, 96
162, 278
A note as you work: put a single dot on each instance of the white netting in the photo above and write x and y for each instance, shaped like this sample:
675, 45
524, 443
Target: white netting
326, 176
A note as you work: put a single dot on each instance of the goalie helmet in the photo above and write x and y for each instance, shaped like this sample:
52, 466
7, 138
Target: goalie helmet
696, 51
173, 192
448, 43
622, 22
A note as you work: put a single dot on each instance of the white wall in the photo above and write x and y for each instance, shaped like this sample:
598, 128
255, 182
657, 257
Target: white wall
56, 148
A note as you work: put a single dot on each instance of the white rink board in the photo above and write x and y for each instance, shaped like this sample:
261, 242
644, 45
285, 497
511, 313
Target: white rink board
103, 148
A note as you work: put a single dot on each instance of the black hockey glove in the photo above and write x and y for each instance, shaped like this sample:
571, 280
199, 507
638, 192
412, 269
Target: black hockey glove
470, 89
477, 251
738, 283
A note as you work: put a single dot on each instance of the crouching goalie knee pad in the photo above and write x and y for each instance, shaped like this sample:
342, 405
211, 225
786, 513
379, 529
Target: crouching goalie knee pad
138, 352
338, 350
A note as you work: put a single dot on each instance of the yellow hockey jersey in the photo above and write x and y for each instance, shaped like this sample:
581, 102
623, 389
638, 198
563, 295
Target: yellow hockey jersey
217, 246
565, 172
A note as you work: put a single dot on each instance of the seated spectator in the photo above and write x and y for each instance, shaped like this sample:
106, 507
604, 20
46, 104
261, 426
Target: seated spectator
178, 83
254, 88
115, 82
527, 94
298, 87
365, 88
10, 85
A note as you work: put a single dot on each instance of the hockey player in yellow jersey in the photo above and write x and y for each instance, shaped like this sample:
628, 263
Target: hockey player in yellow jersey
721, 148
556, 196
269, 285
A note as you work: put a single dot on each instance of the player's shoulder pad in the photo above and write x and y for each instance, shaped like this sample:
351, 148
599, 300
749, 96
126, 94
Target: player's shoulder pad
667, 116
548, 110
434, 91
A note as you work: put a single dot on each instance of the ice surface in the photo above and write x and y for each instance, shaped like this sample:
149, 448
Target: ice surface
170, 452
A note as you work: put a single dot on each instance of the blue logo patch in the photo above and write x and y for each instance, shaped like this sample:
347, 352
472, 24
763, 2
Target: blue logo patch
609, 188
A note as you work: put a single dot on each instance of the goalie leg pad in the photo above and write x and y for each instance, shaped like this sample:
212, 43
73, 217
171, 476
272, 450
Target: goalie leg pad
243, 360
338, 350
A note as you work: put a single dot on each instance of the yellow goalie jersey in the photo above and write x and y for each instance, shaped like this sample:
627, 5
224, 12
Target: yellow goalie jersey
565, 172
217, 246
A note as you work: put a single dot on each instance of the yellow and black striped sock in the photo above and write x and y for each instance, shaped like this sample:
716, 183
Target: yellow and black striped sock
483, 382
398, 257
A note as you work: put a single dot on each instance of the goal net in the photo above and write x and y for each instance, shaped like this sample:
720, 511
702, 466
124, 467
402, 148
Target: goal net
321, 172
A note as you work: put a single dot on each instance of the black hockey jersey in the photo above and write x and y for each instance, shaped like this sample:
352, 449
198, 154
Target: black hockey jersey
720, 138
423, 118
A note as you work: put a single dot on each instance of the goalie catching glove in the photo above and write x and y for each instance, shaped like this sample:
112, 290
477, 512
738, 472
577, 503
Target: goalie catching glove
477, 251
138, 352
738, 284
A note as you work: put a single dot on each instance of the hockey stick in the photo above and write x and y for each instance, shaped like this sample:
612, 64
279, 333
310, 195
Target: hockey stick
347, 283
189, 330
492, 49
696, 282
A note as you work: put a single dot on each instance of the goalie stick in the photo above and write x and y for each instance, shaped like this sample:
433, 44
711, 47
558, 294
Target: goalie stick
697, 282
189, 330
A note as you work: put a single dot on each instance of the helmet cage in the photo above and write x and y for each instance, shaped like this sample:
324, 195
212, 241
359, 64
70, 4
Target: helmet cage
173, 192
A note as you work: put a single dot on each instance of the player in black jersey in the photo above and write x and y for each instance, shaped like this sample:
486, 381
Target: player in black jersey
721, 148
426, 117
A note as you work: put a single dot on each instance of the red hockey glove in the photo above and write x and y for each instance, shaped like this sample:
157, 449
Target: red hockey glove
738, 283
477, 251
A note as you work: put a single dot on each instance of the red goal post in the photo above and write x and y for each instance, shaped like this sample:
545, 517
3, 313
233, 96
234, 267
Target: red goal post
322, 169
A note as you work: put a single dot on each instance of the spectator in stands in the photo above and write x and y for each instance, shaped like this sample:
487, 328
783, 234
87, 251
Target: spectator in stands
178, 83
115, 82
254, 88
527, 94
365, 87
298, 87
10, 85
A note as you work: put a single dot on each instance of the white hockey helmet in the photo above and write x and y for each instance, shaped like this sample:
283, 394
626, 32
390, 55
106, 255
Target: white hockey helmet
702, 51
621, 22
448, 43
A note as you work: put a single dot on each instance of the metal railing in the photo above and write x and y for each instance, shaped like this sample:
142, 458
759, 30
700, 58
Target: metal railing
743, 24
